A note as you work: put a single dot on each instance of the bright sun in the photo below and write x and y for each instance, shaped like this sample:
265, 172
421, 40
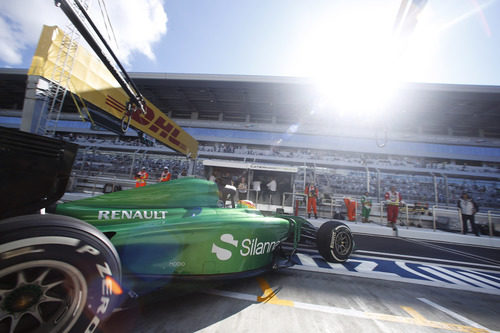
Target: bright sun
354, 59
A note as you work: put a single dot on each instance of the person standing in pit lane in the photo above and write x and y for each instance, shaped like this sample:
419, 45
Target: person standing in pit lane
141, 177
228, 190
366, 207
165, 175
468, 208
350, 205
242, 188
272, 186
312, 194
393, 199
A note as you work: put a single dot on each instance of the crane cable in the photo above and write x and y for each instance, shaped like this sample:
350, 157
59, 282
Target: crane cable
107, 22
136, 100
129, 107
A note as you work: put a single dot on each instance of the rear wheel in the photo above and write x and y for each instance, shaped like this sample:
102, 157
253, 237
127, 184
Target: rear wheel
334, 241
56, 274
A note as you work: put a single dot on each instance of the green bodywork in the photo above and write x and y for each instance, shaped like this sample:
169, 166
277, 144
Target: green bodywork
176, 228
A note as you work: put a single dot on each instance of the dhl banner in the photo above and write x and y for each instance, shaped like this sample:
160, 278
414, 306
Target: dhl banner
92, 81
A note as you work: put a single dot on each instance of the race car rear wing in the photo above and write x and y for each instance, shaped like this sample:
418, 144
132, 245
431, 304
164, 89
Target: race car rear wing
35, 170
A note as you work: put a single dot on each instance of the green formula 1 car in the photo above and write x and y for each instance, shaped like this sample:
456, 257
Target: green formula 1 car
67, 270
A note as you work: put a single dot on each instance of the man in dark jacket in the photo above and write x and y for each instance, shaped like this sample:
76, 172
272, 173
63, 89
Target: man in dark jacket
468, 208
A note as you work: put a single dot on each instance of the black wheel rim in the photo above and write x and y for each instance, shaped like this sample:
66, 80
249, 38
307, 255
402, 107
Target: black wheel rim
40, 296
343, 243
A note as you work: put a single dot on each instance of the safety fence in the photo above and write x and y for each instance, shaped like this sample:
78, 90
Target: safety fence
94, 185
493, 218
446, 218
436, 217
451, 219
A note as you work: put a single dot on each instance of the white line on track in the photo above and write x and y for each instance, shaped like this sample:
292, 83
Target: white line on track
232, 294
430, 264
306, 260
356, 253
454, 251
395, 278
480, 277
364, 314
454, 314
459, 277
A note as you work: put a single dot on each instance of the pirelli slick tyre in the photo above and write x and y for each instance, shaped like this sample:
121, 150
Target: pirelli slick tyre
334, 241
57, 274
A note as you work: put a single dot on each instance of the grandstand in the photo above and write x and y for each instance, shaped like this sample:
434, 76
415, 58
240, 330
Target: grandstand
444, 141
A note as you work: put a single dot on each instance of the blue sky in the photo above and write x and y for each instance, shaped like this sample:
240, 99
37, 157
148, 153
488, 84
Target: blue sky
455, 41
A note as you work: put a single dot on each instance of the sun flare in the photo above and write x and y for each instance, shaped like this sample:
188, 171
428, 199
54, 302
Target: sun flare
355, 60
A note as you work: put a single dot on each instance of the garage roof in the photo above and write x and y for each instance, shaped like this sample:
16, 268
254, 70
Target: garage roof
464, 110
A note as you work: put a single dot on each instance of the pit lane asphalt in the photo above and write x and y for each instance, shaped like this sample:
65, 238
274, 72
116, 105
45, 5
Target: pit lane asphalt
299, 301
307, 301
424, 250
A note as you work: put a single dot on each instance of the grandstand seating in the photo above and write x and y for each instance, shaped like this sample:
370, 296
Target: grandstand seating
346, 173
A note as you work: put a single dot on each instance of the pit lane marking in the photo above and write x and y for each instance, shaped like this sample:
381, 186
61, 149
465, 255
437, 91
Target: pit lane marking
392, 277
452, 314
388, 256
412, 312
422, 273
269, 296
454, 251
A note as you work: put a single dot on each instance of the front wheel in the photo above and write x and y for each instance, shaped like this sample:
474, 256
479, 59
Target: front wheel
334, 241
57, 274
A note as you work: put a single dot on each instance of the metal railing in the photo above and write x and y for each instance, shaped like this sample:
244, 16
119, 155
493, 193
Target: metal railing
446, 212
490, 217
96, 184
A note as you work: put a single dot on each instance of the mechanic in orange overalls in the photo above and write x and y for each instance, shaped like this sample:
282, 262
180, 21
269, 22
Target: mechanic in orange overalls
350, 205
165, 175
141, 177
312, 195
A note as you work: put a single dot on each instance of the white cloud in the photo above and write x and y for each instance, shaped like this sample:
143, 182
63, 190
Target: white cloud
8, 44
138, 25
20, 26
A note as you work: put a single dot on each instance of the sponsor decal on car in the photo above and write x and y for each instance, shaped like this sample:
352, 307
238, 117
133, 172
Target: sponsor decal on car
108, 287
131, 214
248, 247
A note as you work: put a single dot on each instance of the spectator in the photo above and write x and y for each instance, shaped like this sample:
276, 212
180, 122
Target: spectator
468, 209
